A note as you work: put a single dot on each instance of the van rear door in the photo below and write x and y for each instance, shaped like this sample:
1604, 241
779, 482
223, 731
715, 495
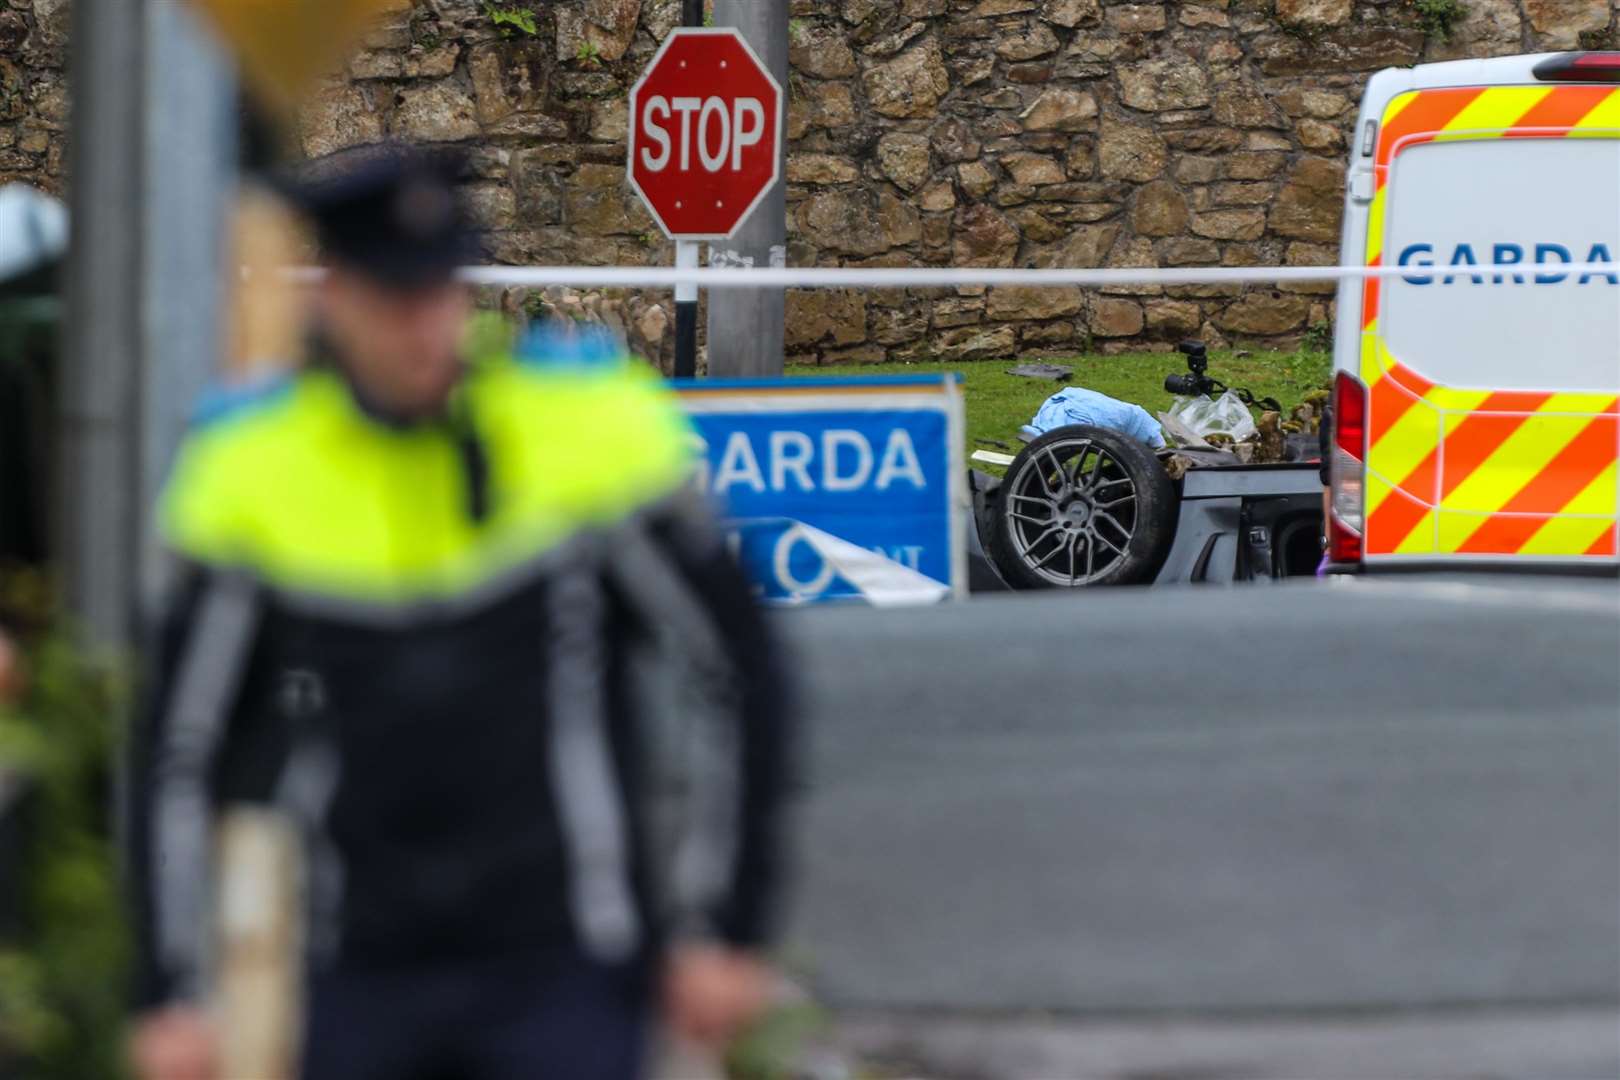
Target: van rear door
1492, 408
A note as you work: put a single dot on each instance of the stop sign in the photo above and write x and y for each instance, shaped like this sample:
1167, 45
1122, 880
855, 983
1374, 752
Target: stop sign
705, 133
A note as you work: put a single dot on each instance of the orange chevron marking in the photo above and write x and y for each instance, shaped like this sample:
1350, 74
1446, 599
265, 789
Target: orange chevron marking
1568, 474
1560, 110
1389, 402
1393, 522
1472, 443
1410, 379
1369, 299
1392, 396
1420, 120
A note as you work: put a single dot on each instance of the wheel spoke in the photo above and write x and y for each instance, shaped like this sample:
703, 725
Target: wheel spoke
1096, 470
1016, 516
1078, 461
1095, 535
1036, 499
1104, 516
1029, 548
1121, 501
1074, 572
1091, 560
1048, 556
1057, 470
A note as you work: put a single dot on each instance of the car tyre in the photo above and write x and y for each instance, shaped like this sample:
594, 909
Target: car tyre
1083, 506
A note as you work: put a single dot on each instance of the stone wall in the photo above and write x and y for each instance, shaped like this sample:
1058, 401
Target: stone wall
33, 92
922, 132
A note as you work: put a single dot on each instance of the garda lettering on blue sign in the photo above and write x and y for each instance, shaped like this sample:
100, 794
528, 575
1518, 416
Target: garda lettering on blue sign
837, 489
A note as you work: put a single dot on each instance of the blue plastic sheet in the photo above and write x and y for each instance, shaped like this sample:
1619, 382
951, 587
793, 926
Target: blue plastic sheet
1075, 405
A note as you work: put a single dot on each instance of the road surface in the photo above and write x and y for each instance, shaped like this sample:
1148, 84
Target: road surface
1264, 801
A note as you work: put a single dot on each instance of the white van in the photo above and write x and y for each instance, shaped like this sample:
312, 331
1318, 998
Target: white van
1477, 418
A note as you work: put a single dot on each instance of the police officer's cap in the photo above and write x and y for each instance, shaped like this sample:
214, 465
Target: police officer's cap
390, 212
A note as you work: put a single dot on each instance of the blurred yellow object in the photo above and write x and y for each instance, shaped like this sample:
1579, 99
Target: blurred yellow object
266, 319
260, 871
285, 46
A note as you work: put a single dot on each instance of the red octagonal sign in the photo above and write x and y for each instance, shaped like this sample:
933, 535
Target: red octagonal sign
705, 133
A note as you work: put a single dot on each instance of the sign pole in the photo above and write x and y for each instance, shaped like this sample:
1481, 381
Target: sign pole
97, 508
686, 311
746, 325
686, 258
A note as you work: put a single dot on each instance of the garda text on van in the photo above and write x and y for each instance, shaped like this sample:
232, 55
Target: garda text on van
1542, 260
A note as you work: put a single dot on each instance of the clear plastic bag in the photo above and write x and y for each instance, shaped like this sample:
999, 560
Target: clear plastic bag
1223, 415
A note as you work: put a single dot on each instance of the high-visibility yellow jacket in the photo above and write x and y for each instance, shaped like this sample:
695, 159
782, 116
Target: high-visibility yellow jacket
420, 641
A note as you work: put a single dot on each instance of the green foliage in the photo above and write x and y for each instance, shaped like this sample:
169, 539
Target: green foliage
534, 306
425, 29
491, 336
588, 54
62, 982
998, 403
773, 1049
1310, 36
1318, 337
13, 92
1438, 17
512, 20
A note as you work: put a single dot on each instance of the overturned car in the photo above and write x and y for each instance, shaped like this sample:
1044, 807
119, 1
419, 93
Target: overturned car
1082, 505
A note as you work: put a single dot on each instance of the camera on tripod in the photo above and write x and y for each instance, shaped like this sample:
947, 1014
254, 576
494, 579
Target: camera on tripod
1195, 382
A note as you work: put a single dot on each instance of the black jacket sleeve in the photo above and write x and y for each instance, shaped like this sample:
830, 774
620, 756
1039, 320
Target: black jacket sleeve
761, 708
199, 658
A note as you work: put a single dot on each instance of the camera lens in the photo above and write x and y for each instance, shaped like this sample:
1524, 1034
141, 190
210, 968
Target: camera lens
1184, 385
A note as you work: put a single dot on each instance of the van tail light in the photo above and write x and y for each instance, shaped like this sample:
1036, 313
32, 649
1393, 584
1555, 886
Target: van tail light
1580, 67
1347, 470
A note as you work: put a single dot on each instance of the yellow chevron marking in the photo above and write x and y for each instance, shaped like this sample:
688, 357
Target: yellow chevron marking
1375, 224
1492, 112
1378, 490
1566, 536
1584, 404
1421, 540
1371, 346
1451, 399
1598, 497
1404, 446
1519, 460
1602, 122
1393, 109
1455, 529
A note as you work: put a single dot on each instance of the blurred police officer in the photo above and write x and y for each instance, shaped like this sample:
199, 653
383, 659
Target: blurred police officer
414, 589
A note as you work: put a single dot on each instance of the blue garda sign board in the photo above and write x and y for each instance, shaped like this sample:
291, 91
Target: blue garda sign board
838, 489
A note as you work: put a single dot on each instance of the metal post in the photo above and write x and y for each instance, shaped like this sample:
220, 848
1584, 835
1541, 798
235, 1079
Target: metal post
686, 313
98, 497
190, 164
686, 258
746, 325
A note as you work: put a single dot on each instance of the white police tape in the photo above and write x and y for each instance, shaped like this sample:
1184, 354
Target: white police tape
656, 277
874, 577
